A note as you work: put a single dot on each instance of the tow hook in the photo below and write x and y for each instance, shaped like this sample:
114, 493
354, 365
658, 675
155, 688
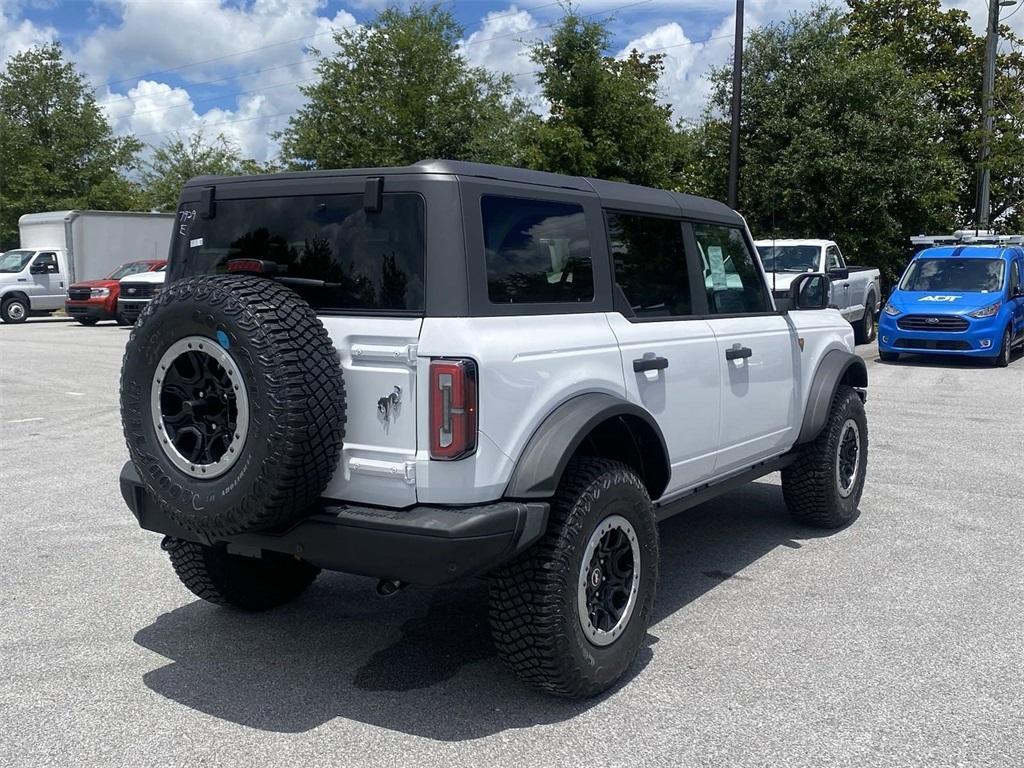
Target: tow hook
390, 587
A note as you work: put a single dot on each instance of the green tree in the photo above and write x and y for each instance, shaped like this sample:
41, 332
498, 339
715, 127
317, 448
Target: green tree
397, 91
940, 49
179, 159
605, 119
834, 143
56, 148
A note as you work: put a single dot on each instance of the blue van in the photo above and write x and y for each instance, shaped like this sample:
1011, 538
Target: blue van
957, 300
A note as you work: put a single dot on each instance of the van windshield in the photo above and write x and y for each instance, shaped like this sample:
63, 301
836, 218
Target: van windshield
14, 261
327, 248
789, 258
966, 275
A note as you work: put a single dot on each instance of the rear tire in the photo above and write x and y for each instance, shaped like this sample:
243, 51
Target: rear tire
864, 331
14, 310
822, 488
248, 583
569, 616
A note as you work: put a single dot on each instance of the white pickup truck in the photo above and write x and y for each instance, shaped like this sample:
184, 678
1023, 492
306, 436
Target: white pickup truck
855, 290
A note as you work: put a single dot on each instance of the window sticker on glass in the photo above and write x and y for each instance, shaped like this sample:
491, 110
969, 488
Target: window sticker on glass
718, 277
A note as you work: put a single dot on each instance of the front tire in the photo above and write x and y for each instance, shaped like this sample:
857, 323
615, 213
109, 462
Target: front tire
1002, 360
248, 583
569, 616
14, 310
86, 320
822, 488
888, 357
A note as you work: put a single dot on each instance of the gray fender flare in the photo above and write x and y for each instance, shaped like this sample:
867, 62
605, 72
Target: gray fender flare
548, 451
835, 368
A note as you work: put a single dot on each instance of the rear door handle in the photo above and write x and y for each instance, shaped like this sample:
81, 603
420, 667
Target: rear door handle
736, 352
650, 364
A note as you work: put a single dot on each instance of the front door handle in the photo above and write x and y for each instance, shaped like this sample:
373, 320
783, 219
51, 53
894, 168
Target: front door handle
650, 364
737, 352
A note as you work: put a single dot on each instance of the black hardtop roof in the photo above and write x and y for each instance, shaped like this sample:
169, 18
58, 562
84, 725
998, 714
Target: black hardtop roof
613, 194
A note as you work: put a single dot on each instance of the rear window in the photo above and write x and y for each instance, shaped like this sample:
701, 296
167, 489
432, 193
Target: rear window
537, 251
337, 256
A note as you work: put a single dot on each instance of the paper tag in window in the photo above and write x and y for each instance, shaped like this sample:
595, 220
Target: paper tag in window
718, 276
196, 243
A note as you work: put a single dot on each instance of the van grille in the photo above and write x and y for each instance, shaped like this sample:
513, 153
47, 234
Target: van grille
937, 344
945, 323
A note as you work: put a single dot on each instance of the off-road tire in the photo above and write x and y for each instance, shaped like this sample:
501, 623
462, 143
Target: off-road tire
810, 486
533, 600
293, 381
889, 357
249, 583
8, 306
1002, 360
865, 331
86, 320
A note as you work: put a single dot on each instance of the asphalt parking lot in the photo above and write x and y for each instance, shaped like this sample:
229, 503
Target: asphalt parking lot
898, 641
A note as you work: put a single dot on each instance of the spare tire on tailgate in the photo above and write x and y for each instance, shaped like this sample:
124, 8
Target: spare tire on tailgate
232, 403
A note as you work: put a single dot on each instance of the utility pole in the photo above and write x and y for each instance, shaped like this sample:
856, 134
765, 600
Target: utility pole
981, 208
737, 96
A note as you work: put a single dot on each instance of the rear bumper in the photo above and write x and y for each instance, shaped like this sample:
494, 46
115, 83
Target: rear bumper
419, 545
87, 310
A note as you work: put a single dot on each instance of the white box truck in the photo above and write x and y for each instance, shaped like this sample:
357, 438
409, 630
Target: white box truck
62, 247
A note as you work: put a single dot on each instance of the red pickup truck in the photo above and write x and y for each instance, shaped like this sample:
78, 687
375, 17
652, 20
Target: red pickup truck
93, 300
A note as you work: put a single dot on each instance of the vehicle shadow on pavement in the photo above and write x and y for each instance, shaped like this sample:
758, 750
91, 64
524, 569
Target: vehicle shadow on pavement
421, 662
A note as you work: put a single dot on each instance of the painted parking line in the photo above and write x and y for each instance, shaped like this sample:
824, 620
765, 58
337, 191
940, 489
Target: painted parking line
23, 421
75, 394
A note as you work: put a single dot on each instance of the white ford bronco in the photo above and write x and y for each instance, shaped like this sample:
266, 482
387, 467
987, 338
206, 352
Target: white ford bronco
446, 370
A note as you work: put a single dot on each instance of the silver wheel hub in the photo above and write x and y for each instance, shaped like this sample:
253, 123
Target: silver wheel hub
16, 310
200, 407
609, 580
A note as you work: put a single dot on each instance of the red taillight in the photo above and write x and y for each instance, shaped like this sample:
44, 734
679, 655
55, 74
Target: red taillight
453, 404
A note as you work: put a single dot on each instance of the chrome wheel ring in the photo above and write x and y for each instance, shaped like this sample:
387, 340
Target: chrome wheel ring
16, 310
200, 407
609, 580
848, 457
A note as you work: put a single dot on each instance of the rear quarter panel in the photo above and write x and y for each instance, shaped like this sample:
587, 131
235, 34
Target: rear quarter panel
528, 366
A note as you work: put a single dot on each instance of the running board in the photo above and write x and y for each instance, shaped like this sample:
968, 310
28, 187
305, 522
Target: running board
702, 493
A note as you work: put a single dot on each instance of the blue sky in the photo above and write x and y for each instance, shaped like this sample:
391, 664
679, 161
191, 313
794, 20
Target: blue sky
161, 67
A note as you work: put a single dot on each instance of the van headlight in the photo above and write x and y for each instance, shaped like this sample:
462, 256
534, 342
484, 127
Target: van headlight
99, 293
988, 311
890, 310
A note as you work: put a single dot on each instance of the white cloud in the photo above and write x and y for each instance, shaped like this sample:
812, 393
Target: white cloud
18, 34
502, 44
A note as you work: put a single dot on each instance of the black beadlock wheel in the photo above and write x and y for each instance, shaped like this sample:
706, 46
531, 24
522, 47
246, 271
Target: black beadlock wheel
569, 616
822, 488
232, 403
248, 583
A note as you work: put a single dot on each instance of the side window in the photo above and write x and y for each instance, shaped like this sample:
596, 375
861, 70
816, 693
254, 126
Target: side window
650, 264
48, 260
1014, 276
731, 278
537, 251
833, 259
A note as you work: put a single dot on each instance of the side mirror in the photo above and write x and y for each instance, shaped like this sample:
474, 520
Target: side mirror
839, 274
39, 269
811, 290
